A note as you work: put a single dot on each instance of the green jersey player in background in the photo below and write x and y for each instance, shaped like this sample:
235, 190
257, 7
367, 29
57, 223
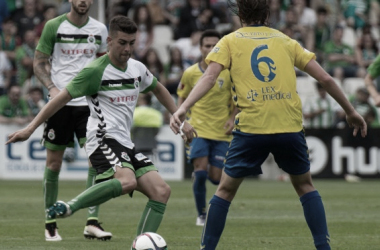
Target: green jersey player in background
111, 85
67, 44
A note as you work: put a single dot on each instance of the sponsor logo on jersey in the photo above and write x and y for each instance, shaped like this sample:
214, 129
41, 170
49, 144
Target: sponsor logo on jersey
181, 86
136, 83
140, 157
220, 82
115, 84
51, 134
215, 49
128, 98
125, 156
91, 39
86, 52
70, 39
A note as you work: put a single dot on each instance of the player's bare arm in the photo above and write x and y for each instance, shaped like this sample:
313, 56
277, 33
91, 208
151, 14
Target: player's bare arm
47, 111
205, 83
353, 118
368, 80
42, 68
165, 99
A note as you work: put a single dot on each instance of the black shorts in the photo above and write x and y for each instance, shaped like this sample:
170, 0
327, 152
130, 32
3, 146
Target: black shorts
111, 154
60, 128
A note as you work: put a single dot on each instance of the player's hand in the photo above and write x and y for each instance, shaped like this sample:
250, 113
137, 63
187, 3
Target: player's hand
20, 135
176, 120
187, 132
229, 126
357, 122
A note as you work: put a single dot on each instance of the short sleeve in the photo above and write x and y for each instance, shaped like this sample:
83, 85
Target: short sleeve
47, 39
184, 86
86, 83
220, 54
148, 81
302, 56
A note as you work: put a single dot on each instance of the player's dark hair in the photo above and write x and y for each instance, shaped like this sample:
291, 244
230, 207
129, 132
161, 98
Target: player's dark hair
251, 12
123, 24
209, 33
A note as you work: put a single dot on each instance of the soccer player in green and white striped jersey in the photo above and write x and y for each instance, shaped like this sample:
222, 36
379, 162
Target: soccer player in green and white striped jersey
111, 85
67, 44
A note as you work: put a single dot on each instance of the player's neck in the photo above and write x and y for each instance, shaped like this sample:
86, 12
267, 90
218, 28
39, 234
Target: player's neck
203, 65
78, 20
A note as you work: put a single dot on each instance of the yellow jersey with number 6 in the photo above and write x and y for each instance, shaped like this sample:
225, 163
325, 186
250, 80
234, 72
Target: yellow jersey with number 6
261, 61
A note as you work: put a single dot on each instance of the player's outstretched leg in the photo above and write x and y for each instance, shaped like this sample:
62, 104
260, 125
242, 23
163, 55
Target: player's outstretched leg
60, 209
93, 196
93, 230
199, 191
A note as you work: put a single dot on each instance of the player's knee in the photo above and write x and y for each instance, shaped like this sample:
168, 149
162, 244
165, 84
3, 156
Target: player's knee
54, 165
163, 193
128, 185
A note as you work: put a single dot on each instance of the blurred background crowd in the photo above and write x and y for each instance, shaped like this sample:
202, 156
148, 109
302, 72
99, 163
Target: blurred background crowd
344, 34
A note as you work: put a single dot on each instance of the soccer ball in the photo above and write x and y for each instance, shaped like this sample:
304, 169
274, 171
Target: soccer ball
149, 241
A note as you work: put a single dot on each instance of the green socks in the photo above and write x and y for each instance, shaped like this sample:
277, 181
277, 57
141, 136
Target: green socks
151, 218
50, 188
96, 195
92, 211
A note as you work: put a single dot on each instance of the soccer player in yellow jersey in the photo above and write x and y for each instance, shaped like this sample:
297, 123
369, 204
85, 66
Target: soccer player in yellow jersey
261, 61
213, 121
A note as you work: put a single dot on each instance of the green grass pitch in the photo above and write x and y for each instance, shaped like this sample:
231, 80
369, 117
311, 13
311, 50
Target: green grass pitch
264, 215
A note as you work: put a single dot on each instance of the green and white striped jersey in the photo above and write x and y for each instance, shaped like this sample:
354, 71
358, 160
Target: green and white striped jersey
71, 48
112, 95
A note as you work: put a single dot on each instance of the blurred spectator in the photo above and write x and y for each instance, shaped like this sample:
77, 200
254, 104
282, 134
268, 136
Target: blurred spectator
147, 122
64, 7
13, 108
189, 48
8, 39
4, 13
35, 100
277, 15
307, 19
33, 82
355, 12
118, 7
339, 57
322, 32
5, 72
159, 14
49, 13
188, 16
144, 35
360, 101
173, 70
25, 56
27, 18
365, 52
204, 20
322, 111
154, 64
291, 22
